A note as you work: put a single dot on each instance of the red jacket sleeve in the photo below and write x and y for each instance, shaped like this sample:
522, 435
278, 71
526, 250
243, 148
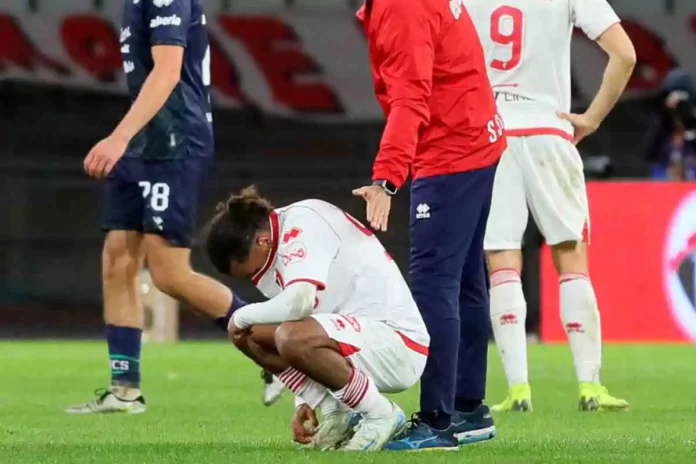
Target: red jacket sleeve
405, 41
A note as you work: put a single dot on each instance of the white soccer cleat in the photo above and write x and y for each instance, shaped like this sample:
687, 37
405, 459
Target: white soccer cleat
273, 388
334, 430
107, 402
372, 434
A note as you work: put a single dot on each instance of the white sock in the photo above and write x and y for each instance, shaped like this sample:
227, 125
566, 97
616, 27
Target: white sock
361, 395
303, 387
508, 316
582, 324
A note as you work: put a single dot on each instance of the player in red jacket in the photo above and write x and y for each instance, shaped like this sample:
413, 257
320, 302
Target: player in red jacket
442, 126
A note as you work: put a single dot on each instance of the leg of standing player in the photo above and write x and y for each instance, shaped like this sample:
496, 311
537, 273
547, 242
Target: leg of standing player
471, 420
507, 222
442, 232
150, 209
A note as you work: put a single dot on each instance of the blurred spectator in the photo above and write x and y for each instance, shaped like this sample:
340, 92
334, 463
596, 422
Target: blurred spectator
672, 141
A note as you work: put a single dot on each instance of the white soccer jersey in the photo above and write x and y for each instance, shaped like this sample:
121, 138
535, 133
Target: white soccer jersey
527, 48
316, 242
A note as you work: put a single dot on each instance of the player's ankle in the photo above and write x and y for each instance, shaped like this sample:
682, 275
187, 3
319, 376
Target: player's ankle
125, 392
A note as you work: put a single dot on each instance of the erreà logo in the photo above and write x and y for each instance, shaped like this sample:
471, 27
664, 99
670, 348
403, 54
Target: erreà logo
679, 265
172, 20
423, 211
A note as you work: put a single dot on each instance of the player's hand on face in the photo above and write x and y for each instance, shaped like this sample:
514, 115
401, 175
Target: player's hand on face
104, 155
584, 125
304, 424
378, 205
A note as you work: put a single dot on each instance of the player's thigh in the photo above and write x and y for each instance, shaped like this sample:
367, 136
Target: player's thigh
556, 190
172, 191
123, 206
508, 215
376, 349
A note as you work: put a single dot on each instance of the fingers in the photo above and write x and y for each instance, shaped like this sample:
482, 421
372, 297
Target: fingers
360, 192
566, 116
87, 165
378, 214
313, 419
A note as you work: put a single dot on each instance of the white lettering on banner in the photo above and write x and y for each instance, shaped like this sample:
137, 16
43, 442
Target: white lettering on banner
285, 61
172, 20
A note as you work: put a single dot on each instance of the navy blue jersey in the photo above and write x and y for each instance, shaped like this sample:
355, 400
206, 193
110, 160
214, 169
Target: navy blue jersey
183, 127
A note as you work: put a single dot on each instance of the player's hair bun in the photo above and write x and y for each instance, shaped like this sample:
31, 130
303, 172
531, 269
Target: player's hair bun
247, 206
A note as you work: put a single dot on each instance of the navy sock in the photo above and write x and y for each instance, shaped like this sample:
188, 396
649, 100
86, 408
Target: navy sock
436, 420
466, 405
124, 355
223, 322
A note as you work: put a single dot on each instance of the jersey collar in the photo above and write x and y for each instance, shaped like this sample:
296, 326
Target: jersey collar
275, 233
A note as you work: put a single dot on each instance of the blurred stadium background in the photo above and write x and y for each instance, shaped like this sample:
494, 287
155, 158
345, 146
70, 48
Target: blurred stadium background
296, 115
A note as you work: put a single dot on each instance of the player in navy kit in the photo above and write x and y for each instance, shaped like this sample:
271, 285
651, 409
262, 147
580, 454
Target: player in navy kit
154, 164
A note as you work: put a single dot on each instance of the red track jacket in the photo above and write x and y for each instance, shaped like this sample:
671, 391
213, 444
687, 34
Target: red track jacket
430, 79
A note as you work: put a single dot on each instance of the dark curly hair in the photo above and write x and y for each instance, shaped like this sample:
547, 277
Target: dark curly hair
232, 231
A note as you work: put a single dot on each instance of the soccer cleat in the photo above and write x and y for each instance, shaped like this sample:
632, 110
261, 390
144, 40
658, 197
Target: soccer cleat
595, 397
519, 400
421, 437
107, 402
474, 426
273, 388
371, 434
335, 430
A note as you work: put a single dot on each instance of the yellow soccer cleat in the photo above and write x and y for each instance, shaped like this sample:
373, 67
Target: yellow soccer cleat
519, 400
595, 397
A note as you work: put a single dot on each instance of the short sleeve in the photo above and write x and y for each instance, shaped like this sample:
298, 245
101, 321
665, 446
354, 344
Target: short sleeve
594, 17
307, 247
168, 21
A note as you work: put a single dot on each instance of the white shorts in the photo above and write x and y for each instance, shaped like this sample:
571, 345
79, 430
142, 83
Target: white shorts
542, 174
393, 361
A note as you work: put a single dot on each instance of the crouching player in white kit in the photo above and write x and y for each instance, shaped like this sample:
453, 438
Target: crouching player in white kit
527, 47
340, 326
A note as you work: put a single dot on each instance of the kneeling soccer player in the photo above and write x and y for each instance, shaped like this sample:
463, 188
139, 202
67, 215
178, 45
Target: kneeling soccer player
340, 326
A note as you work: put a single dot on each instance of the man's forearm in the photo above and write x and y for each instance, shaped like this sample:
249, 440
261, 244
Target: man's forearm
156, 90
616, 76
398, 146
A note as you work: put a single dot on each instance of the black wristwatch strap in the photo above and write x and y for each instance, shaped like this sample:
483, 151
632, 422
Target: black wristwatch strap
388, 187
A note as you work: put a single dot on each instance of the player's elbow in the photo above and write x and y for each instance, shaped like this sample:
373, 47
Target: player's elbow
619, 47
302, 299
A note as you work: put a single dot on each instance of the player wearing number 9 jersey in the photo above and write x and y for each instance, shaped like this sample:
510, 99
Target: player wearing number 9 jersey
527, 47
155, 163
344, 324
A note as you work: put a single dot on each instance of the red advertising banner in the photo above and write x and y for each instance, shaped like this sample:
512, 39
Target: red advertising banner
642, 263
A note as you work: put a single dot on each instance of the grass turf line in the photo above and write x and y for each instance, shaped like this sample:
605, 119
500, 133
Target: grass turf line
204, 407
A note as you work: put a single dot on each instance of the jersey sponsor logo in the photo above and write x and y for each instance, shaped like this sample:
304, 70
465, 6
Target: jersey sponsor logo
172, 20
496, 128
125, 49
160, 3
291, 234
294, 253
128, 67
423, 211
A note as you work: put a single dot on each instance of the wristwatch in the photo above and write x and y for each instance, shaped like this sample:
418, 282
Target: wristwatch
387, 186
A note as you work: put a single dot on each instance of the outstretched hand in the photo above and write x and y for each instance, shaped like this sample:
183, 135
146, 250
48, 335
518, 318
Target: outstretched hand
378, 205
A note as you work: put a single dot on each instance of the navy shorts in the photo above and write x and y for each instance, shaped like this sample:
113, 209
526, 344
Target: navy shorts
155, 197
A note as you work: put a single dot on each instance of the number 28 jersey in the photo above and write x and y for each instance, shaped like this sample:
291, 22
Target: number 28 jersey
182, 128
316, 242
527, 49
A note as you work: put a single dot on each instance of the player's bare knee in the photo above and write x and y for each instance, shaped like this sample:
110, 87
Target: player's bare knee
504, 259
119, 260
570, 257
295, 339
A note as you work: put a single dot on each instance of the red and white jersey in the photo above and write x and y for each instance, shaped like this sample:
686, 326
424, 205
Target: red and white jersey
314, 241
527, 48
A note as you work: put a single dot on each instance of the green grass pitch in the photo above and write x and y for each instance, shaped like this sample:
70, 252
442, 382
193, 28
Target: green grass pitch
204, 401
